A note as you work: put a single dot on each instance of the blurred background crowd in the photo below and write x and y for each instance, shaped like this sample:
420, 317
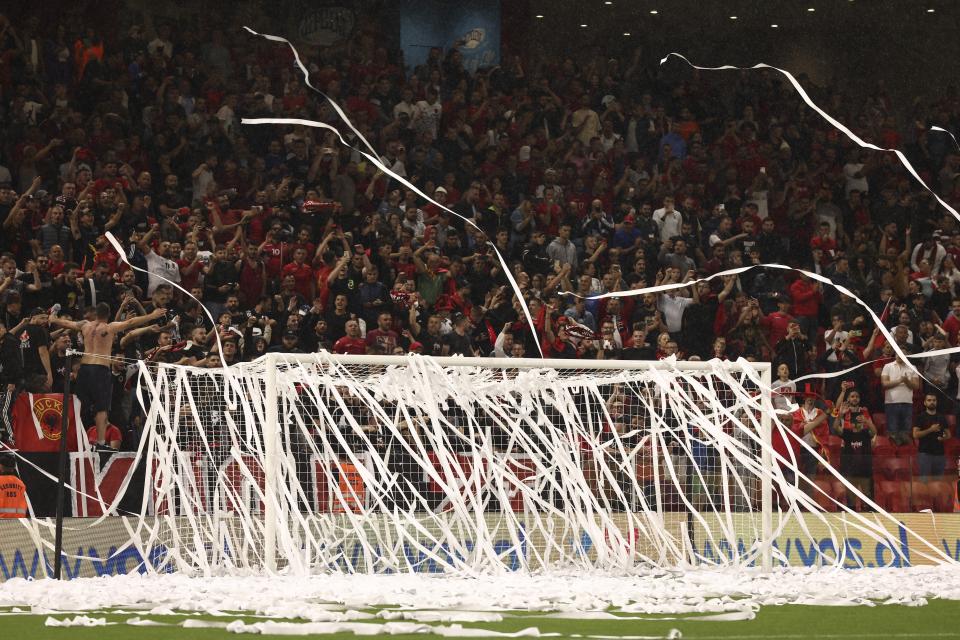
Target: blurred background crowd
583, 175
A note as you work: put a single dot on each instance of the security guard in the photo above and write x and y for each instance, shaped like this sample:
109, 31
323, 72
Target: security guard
13, 493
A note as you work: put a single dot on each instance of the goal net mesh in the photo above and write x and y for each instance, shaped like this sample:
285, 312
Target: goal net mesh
423, 466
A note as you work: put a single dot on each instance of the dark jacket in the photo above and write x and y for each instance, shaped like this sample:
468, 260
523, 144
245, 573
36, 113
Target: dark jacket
11, 367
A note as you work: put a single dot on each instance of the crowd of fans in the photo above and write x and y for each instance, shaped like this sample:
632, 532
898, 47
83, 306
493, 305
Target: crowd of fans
580, 175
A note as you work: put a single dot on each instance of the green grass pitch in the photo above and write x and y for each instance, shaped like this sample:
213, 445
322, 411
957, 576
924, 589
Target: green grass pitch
938, 619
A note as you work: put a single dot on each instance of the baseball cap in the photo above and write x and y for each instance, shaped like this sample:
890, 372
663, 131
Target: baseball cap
630, 219
289, 333
440, 190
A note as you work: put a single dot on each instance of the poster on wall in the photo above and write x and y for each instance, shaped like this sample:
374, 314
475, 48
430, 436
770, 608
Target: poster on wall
473, 26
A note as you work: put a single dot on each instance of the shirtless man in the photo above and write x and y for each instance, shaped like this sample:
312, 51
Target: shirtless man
94, 381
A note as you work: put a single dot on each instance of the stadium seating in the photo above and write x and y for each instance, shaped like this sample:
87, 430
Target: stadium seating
880, 422
920, 496
892, 495
942, 493
827, 497
883, 447
951, 450
908, 450
834, 445
891, 468
838, 490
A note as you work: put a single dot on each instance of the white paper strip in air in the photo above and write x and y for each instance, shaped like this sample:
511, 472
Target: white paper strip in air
814, 276
372, 156
826, 116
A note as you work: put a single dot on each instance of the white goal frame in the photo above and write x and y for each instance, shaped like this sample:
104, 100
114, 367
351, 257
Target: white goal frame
272, 427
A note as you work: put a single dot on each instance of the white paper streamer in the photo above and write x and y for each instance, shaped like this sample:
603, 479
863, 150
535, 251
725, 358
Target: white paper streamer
826, 116
371, 155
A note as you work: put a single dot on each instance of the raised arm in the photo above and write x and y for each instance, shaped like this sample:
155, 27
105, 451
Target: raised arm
15, 217
836, 426
73, 325
136, 333
413, 320
116, 217
144, 243
341, 265
421, 266
132, 323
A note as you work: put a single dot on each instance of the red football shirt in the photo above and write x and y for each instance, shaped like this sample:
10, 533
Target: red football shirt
353, 346
303, 277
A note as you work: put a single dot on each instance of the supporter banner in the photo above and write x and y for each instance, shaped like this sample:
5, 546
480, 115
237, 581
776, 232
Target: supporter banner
37, 419
474, 24
98, 548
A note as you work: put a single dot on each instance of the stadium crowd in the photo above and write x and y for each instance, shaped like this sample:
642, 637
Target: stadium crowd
580, 175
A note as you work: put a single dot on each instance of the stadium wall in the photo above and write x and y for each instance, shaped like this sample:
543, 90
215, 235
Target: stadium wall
95, 549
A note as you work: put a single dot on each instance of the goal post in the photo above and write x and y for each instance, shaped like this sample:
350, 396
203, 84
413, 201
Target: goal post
271, 453
666, 503
766, 434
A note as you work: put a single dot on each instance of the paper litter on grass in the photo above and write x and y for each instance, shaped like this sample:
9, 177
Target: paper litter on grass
77, 621
416, 599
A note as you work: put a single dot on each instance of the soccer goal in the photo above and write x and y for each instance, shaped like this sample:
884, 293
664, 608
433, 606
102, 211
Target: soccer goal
319, 463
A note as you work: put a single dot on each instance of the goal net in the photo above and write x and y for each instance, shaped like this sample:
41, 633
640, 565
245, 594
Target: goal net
319, 463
